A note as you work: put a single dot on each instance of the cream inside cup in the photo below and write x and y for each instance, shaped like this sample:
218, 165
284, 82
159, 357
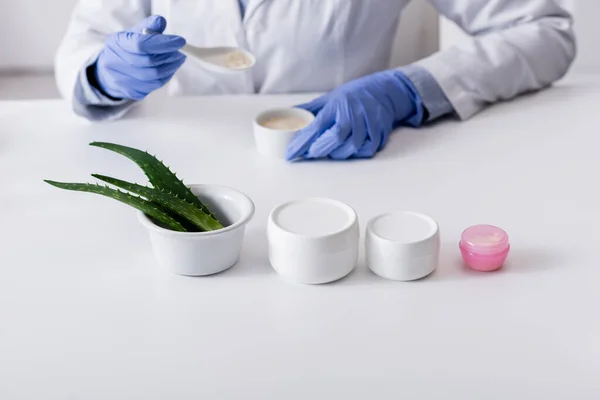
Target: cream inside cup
273, 129
284, 123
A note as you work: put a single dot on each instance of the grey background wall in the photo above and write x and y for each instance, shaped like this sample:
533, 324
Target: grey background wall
31, 31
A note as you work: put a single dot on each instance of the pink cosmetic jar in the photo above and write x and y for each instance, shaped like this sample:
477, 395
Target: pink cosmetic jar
484, 247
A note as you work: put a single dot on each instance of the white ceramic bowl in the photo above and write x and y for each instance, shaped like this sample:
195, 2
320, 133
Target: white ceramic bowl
204, 253
402, 245
313, 241
273, 142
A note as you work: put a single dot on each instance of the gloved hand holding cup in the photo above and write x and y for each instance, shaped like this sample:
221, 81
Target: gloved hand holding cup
356, 119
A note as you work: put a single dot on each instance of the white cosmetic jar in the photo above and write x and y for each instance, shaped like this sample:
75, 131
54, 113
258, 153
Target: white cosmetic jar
402, 245
313, 241
272, 137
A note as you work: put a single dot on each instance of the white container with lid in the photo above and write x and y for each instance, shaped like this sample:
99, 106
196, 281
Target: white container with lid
273, 129
314, 240
402, 245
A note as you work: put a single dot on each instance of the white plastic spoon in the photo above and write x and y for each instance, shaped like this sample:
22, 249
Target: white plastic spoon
218, 59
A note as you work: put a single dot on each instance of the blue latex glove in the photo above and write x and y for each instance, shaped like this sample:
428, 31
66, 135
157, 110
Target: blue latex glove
356, 119
132, 65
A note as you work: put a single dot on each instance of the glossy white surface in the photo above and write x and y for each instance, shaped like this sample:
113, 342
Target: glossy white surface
402, 245
204, 253
84, 313
314, 240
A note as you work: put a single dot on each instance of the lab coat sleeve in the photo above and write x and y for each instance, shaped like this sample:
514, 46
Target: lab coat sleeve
91, 22
517, 46
90, 103
432, 96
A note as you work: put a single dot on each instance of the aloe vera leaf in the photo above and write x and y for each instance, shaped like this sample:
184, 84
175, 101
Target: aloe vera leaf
159, 174
189, 227
167, 200
143, 205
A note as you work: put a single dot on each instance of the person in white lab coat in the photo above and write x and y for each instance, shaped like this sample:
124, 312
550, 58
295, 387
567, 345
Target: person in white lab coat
342, 47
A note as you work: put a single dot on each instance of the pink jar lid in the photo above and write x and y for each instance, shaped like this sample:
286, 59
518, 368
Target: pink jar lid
484, 239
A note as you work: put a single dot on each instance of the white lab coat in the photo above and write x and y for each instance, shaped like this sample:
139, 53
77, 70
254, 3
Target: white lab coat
316, 45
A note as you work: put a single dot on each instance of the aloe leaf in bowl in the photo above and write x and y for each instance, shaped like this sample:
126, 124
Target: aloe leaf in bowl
169, 201
159, 175
145, 206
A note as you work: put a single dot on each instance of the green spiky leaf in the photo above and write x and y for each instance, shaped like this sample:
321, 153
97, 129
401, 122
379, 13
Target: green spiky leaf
167, 200
143, 205
159, 174
189, 227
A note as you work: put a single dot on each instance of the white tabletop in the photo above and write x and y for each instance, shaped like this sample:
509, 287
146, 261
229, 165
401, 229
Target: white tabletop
86, 314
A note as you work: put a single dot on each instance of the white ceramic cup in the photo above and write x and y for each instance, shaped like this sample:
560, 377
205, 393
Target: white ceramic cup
273, 142
204, 253
402, 245
313, 241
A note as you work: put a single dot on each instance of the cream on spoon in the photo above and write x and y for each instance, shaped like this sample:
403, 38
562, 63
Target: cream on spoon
217, 59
